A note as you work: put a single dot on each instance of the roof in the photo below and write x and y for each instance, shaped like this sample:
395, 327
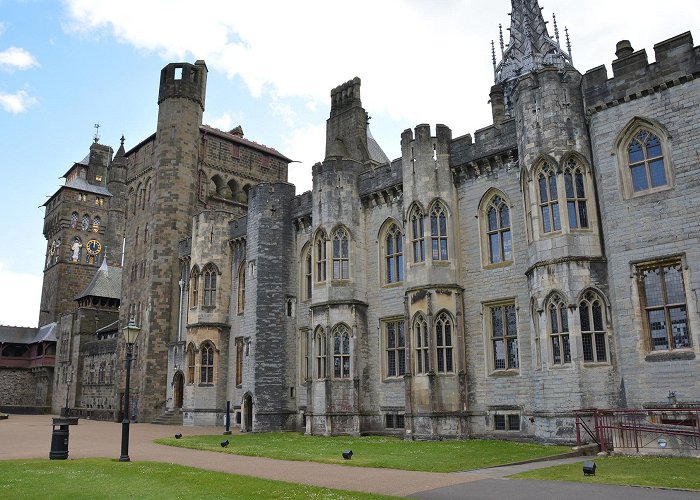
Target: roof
22, 335
240, 140
375, 151
112, 327
106, 283
81, 185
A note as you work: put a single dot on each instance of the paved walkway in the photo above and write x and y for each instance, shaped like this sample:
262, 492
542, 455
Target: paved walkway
29, 436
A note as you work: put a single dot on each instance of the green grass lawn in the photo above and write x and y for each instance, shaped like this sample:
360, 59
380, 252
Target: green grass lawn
107, 478
640, 471
373, 451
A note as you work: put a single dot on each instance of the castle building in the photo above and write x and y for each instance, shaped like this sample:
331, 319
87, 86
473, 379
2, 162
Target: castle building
484, 285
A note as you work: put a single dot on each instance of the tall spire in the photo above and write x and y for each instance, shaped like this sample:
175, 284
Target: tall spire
530, 47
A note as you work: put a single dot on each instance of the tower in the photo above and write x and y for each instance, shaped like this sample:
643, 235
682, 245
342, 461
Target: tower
77, 229
538, 86
162, 198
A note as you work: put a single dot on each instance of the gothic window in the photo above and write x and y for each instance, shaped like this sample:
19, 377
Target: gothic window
96, 224
306, 273
209, 285
395, 346
438, 231
149, 185
341, 352
320, 353
417, 234
549, 200
444, 343
239, 361
139, 197
646, 162
321, 257
194, 287
574, 186
498, 235
420, 329
206, 368
74, 220
241, 288
101, 373
504, 336
341, 255
85, 225
559, 330
190, 363
591, 310
393, 255
665, 315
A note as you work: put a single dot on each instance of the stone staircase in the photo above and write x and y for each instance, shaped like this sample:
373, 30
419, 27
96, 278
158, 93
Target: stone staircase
169, 417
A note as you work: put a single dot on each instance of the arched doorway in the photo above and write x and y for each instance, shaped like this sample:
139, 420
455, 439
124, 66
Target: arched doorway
178, 388
248, 413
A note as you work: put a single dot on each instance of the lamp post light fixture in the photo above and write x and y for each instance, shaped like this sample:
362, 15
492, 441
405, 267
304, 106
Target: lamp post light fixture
131, 332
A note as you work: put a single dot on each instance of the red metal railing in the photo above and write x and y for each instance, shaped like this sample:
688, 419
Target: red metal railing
635, 429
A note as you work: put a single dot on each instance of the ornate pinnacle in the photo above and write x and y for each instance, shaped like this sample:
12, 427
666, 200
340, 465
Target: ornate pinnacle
500, 37
493, 55
556, 28
568, 42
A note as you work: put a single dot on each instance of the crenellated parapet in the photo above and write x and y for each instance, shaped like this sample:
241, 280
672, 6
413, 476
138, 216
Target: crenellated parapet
184, 80
677, 62
345, 96
424, 147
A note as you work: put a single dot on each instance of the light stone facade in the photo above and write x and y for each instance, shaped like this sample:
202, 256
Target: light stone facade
477, 286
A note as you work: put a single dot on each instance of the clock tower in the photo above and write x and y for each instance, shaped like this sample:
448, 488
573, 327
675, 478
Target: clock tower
79, 232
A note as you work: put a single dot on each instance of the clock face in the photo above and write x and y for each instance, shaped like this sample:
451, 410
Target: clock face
94, 247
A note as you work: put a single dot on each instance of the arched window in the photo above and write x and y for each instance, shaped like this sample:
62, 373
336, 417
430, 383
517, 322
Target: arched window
591, 310
241, 288
438, 231
209, 286
500, 248
74, 220
341, 254
395, 348
306, 273
321, 257
96, 224
574, 185
139, 197
559, 330
420, 329
194, 287
206, 368
149, 185
341, 352
101, 373
320, 353
549, 200
443, 343
85, 225
646, 161
393, 254
417, 234
190, 364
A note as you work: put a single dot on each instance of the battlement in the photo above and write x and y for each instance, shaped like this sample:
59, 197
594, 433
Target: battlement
381, 178
184, 80
423, 144
345, 96
677, 62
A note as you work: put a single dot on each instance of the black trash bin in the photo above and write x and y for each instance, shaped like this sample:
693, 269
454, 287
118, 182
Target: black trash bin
59, 437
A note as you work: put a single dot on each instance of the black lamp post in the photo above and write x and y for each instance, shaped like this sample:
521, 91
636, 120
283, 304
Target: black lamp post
131, 331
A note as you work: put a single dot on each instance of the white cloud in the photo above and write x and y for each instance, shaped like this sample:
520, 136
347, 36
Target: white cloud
16, 103
420, 61
17, 58
19, 298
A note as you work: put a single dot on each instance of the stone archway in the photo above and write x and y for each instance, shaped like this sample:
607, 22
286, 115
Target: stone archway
248, 413
178, 389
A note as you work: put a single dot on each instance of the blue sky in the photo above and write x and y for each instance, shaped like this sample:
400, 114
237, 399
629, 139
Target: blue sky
65, 66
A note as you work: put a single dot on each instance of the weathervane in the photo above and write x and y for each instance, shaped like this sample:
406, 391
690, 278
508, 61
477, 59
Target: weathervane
97, 132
